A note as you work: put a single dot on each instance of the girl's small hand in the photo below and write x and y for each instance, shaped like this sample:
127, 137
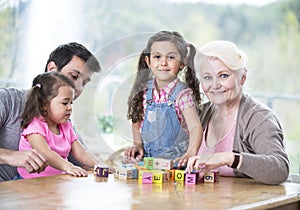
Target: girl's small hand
76, 171
181, 161
191, 164
135, 152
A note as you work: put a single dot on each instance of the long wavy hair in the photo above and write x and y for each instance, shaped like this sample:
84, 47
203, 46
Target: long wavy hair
187, 52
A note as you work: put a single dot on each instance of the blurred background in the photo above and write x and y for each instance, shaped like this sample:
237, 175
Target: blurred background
117, 31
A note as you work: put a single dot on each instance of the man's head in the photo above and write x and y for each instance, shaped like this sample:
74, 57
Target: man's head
74, 61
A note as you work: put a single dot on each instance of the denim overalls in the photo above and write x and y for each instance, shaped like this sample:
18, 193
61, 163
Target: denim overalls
161, 132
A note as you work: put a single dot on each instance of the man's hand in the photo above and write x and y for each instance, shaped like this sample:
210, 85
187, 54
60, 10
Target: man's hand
31, 160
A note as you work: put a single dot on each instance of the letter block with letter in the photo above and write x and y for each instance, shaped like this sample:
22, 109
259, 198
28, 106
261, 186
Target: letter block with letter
179, 175
147, 178
191, 179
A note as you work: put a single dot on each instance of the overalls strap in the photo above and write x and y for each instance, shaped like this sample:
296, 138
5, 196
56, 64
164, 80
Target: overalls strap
177, 89
149, 91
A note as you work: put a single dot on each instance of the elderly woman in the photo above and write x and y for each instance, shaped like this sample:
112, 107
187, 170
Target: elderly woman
242, 137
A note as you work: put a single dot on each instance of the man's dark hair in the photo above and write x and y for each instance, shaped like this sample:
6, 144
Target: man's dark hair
64, 53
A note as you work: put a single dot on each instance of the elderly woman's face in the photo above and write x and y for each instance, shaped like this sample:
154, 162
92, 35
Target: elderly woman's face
219, 83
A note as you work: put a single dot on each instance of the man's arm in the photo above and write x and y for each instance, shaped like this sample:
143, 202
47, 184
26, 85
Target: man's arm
32, 160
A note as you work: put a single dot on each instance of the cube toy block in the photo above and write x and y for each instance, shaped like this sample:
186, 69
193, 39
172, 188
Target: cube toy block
140, 167
163, 164
125, 173
216, 175
166, 176
147, 177
179, 175
140, 172
133, 169
148, 162
135, 173
171, 174
101, 171
140, 163
122, 173
95, 170
128, 165
116, 173
157, 178
111, 170
211, 176
129, 174
191, 179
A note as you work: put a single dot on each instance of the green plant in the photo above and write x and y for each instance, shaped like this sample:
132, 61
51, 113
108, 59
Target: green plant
105, 123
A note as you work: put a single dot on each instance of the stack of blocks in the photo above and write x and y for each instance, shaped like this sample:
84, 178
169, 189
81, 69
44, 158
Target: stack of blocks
156, 171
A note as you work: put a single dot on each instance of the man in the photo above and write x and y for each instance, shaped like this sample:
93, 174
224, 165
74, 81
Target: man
74, 61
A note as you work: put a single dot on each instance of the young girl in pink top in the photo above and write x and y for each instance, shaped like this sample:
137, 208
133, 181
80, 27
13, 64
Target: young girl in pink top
47, 127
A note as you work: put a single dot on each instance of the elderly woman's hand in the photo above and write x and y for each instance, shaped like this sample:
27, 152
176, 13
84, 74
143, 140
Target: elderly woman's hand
205, 163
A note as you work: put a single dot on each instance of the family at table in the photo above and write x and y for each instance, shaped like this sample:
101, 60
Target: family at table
221, 128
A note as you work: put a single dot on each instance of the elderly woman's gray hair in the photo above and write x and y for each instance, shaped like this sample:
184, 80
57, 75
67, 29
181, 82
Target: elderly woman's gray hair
234, 58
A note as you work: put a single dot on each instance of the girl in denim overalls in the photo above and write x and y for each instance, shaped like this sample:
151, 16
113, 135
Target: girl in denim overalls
164, 110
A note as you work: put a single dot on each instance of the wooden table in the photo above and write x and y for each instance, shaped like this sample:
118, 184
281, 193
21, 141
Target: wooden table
67, 192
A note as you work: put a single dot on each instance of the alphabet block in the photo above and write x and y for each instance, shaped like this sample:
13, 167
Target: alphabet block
191, 179
166, 176
179, 175
140, 167
141, 173
128, 165
209, 177
125, 173
163, 164
147, 178
101, 171
135, 173
148, 162
216, 175
171, 174
157, 178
